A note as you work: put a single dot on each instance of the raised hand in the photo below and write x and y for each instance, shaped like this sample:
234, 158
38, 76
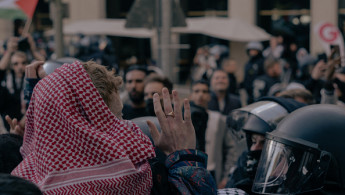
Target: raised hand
12, 44
176, 133
319, 70
35, 70
15, 126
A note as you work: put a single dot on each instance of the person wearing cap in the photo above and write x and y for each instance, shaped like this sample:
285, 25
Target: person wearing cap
253, 68
255, 120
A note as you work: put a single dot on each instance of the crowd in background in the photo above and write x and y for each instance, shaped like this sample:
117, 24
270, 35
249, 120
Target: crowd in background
279, 70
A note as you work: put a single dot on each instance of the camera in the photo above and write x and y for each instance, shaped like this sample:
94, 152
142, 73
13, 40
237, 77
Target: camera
23, 44
335, 51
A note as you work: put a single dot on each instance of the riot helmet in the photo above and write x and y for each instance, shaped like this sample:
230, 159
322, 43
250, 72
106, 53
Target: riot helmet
261, 116
253, 122
304, 152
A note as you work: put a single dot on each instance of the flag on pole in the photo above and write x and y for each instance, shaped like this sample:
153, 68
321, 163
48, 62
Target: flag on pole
17, 9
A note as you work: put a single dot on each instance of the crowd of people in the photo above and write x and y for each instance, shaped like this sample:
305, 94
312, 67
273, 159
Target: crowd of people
74, 130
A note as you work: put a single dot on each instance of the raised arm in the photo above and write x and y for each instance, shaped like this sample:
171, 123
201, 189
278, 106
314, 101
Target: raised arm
12, 45
185, 168
33, 49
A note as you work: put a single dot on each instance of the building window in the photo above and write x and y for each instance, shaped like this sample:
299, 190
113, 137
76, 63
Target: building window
341, 16
289, 18
202, 8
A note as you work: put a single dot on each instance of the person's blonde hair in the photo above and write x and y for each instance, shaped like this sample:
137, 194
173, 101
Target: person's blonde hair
20, 54
104, 80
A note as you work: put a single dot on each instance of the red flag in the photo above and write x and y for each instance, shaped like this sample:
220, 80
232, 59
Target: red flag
28, 6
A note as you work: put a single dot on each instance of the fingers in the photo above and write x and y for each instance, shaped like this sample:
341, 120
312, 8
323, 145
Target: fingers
153, 131
31, 69
17, 130
12, 44
8, 120
166, 101
159, 111
177, 107
187, 116
41, 72
35, 64
12, 122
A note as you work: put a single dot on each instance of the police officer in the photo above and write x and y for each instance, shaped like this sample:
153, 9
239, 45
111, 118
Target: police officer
305, 154
255, 120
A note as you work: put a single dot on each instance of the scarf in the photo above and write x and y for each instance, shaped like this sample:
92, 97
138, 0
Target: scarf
73, 144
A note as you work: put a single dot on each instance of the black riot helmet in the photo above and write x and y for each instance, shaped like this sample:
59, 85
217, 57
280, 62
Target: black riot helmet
260, 117
305, 151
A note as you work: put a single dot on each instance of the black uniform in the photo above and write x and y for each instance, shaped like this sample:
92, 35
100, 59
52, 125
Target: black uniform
253, 69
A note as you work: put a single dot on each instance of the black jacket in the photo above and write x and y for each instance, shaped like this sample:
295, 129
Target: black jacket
199, 119
231, 102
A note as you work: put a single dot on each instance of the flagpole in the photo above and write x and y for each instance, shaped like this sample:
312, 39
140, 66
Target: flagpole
27, 26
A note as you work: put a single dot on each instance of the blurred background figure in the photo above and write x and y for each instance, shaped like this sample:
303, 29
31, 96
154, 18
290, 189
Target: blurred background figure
275, 49
134, 84
154, 83
253, 68
12, 72
221, 100
263, 83
212, 136
230, 66
204, 63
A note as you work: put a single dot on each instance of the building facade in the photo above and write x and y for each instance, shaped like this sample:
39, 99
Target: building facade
293, 18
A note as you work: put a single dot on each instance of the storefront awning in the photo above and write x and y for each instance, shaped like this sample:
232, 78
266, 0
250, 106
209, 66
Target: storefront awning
223, 28
111, 27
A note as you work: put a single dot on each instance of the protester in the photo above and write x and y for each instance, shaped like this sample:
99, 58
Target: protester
134, 83
204, 63
12, 69
212, 135
253, 68
230, 66
221, 100
74, 124
275, 49
200, 96
315, 81
154, 84
263, 83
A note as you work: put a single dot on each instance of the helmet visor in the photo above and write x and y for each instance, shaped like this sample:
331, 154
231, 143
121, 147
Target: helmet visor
268, 112
286, 169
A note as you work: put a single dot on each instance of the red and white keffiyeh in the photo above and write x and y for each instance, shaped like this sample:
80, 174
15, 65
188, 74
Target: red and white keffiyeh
73, 144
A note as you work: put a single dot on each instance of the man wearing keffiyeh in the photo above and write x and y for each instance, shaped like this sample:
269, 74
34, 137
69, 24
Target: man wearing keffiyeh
76, 142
